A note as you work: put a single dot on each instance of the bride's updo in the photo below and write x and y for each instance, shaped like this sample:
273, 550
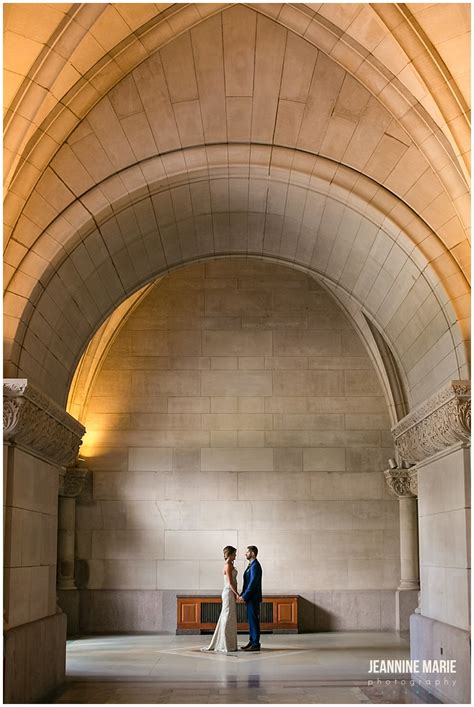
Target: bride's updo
228, 551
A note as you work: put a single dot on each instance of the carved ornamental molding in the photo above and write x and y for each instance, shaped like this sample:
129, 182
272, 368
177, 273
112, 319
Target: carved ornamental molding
438, 423
402, 483
71, 484
413, 474
33, 421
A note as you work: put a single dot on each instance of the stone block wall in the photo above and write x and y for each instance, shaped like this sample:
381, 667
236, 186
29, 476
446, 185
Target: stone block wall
30, 549
111, 610
444, 526
237, 405
30, 516
34, 660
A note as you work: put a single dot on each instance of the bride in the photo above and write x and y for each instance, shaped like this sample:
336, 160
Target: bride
224, 639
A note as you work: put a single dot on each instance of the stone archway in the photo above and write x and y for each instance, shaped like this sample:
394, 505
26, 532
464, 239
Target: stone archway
329, 227
133, 147
236, 381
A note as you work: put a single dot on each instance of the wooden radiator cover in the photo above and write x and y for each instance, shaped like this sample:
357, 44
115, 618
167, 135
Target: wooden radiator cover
201, 613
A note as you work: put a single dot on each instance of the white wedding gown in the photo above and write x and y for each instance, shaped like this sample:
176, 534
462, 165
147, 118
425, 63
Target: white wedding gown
224, 639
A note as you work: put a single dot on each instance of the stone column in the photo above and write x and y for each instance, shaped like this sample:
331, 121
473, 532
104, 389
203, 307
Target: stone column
435, 437
69, 489
66, 523
40, 440
402, 484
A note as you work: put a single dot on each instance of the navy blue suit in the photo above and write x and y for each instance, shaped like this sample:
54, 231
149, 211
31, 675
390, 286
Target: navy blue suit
252, 595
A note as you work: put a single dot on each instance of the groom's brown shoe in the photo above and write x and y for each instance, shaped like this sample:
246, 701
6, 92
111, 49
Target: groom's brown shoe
246, 648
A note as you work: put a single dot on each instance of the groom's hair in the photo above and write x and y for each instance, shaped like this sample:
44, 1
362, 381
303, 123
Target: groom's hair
253, 549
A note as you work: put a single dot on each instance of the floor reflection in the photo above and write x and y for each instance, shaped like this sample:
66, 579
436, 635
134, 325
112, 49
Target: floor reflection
328, 668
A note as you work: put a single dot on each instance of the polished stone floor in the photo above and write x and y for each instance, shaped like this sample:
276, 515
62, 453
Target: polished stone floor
322, 668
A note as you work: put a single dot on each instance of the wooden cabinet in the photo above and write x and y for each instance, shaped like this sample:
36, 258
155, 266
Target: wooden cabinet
196, 614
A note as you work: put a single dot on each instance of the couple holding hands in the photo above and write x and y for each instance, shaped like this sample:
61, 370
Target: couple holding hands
224, 639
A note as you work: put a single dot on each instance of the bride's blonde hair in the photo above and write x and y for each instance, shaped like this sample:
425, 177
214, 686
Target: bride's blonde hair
228, 551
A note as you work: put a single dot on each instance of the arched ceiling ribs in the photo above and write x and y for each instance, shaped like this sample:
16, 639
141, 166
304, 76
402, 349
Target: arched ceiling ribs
390, 371
31, 96
105, 199
159, 31
393, 372
95, 353
439, 82
139, 224
180, 168
115, 63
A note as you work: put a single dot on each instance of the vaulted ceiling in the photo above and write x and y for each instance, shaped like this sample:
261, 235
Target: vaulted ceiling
334, 138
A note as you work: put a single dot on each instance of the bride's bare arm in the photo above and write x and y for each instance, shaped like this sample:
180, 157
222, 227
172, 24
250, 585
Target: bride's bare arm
230, 576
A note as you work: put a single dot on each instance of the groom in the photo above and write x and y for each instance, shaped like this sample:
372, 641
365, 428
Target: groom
252, 596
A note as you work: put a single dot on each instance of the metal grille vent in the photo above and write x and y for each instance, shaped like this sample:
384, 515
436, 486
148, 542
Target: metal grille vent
210, 612
241, 614
266, 613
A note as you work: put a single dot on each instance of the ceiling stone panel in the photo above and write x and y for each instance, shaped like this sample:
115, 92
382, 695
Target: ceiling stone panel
321, 109
320, 227
331, 137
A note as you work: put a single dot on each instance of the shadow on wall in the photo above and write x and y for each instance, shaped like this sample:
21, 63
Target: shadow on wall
313, 618
81, 573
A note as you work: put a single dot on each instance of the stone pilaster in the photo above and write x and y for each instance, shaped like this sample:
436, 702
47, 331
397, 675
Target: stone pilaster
435, 437
402, 484
41, 440
37, 425
70, 487
439, 424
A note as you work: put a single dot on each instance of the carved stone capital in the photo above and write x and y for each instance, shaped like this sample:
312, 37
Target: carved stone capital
399, 483
86, 496
442, 420
413, 475
72, 482
33, 421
